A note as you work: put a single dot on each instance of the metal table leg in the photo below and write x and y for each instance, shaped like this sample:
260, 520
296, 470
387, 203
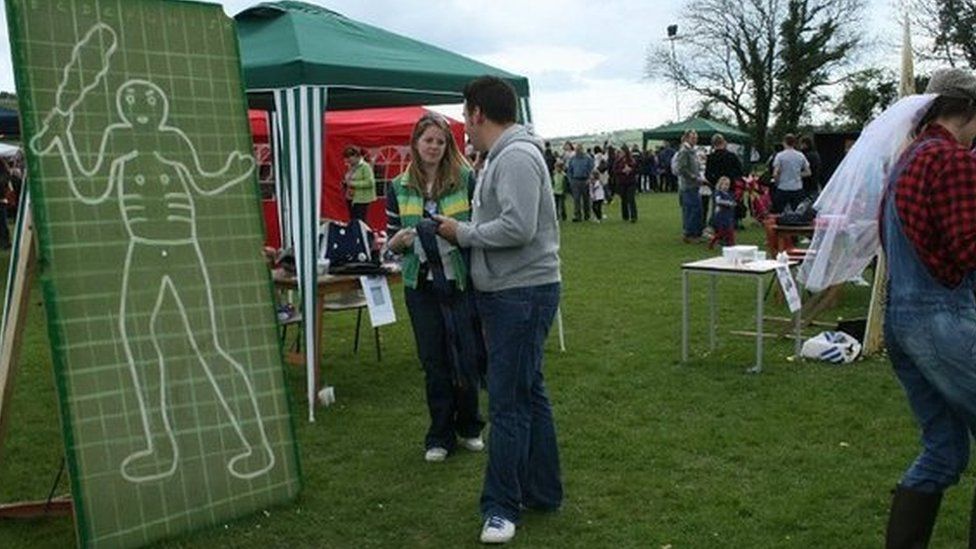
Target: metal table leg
759, 326
796, 333
712, 279
684, 316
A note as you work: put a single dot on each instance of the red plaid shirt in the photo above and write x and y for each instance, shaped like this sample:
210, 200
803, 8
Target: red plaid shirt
936, 201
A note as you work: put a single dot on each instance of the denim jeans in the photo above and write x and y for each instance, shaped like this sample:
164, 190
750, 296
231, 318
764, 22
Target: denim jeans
453, 408
930, 333
691, 212
580, 189
523, 458
933, 355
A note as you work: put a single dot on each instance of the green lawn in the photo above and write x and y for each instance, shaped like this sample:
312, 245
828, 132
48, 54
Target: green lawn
654, 453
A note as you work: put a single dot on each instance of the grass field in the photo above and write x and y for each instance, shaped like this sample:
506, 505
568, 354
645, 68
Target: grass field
654, 453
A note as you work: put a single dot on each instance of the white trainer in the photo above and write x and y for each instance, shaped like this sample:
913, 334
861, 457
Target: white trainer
475, 444
497, 530
435, 454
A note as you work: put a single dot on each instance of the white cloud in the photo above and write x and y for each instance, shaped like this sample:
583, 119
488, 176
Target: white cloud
538, 59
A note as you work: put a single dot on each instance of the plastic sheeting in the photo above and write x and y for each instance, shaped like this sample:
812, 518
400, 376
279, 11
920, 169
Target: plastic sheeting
846, 236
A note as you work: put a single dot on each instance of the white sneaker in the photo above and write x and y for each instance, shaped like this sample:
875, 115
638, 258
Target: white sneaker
497, 530
435, 454
475, 444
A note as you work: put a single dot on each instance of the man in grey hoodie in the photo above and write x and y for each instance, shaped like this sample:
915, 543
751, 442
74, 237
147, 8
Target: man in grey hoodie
514, 240
686, 166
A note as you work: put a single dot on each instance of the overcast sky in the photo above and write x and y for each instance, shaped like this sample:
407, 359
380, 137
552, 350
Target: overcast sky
584, 63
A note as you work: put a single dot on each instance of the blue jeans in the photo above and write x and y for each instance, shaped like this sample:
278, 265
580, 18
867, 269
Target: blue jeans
523, 458
691, 212
453, 406
932, 353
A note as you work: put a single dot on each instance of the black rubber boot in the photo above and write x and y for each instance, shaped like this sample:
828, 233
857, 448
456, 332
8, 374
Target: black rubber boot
912, 518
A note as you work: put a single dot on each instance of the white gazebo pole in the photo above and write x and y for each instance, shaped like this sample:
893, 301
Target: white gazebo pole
281, 186
301, 111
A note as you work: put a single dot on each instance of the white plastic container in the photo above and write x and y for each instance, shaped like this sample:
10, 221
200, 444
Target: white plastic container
738, 255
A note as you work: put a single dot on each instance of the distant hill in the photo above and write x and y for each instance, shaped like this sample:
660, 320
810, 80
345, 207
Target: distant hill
616, 138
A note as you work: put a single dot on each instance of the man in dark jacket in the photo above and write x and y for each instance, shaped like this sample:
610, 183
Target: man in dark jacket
811, 183
550, 158
669, 181
721, 162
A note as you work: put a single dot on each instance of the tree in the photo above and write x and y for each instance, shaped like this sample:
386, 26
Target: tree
759, 58
706, 109
814, 42
866, 94
950, 27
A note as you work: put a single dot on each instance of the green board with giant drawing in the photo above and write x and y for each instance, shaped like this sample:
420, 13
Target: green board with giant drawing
159, 307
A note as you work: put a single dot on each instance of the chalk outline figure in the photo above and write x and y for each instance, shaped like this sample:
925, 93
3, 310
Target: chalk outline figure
144, 110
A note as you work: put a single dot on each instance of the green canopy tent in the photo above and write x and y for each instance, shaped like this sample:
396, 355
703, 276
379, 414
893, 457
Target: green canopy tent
705, 128
301, 59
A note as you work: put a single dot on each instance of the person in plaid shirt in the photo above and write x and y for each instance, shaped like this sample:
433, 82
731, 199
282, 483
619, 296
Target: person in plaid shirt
928, 230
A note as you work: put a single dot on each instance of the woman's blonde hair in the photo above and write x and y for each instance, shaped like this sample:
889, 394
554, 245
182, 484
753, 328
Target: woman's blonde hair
448, 175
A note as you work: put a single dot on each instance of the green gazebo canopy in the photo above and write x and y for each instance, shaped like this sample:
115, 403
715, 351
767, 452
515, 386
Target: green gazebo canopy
288, 43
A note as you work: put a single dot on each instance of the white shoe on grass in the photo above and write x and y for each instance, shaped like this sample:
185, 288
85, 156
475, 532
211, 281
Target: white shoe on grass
435, 454
497, 530
474, 444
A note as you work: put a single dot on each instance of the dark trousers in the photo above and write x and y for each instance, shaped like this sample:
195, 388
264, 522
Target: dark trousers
453, 408
523, 457
560, 206
358, 211
646, 182
669, 182
782, 199
628, 202
598, 209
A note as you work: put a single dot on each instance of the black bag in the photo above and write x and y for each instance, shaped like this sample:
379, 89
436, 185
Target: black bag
804, 214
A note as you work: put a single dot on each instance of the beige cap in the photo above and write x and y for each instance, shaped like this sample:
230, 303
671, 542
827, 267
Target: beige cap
953, 82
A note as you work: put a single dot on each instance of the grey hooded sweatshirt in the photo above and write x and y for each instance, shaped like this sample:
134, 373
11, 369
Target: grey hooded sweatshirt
513, 234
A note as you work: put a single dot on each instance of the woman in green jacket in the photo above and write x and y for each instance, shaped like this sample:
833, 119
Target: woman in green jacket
438, 290
360, 183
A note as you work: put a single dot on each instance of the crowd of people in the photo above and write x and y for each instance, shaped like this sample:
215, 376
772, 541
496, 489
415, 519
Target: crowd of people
596, 176
713, 186
717, 192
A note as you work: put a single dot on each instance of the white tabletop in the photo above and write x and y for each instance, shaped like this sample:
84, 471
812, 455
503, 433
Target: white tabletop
724, 265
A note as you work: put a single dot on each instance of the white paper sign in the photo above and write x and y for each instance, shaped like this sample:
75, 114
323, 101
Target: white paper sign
789, 288
378, 300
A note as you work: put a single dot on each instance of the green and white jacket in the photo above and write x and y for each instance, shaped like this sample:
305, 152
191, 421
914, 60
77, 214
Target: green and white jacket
405, 209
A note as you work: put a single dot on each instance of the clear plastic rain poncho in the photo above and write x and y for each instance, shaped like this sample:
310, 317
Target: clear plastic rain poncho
846, 235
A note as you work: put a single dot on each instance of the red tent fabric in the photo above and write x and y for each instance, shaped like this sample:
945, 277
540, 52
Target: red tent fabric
384, 134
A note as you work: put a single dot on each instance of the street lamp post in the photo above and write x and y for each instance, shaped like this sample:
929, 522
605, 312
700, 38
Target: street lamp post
672, 36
